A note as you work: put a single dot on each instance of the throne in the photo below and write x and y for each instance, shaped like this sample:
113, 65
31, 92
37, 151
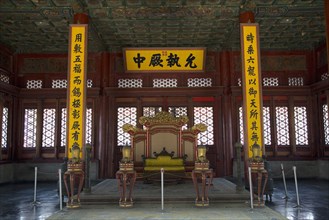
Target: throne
174, 167
161, 134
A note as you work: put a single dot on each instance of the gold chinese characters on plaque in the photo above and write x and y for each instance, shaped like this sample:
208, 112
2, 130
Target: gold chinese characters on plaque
164, 59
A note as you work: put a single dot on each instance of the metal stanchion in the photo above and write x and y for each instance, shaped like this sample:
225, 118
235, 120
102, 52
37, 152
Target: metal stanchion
295, 175
35, 186
284, 182
60, 188
250, 189
35, 183
162, 200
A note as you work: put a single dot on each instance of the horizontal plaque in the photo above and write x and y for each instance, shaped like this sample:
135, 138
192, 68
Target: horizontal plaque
164, 59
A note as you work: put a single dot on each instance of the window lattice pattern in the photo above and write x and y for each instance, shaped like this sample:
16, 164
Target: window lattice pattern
241, 131
4, 139
167, 83
89, 125
4, 78
151, 111
199, 82
48, 129
59, 84
239, 82
62, 83
89, 83
130, 83
34, 84
267, 126
282, 125
325, 76
296, 81
63, 127
205, 115
301, 132
267, 81
125, 115
30, 128
270, 81
325, 124
177, 112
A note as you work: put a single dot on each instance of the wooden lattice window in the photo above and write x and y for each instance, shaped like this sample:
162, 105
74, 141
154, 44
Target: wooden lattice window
300, 119
325, 118
177, 112
34, 84
48, 128
63, 127
199, 82
89, 125
205, 115
4, 78
267, 126
126, 115
130, 83
282, 125
164, 83
4, 139
270, 81
30, 128
151, 111
241, 131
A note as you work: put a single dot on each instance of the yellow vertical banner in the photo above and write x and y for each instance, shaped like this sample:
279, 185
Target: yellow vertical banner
252, 87
76, 92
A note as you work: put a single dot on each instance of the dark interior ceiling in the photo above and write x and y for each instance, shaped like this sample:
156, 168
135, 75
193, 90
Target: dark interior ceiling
41, 26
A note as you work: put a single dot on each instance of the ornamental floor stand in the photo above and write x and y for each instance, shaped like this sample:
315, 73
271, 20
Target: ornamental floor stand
74, 171
206, 175
257, 168
126, 176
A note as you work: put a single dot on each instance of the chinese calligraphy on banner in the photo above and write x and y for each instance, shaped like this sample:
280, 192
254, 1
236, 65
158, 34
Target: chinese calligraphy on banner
164, 59
77, 87
252, 89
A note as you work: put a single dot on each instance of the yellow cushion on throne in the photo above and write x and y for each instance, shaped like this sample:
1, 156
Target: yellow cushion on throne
166, 162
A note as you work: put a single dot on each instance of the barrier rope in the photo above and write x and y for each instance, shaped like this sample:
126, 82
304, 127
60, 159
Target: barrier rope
48, 173
145, 176
59, 174
166, 173
274, 175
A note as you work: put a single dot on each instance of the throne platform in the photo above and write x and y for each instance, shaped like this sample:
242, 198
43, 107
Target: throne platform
164, 133
106, 192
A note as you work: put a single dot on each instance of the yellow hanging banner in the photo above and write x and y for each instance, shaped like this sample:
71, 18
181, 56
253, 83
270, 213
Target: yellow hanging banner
164, 59
252, 87
77, 71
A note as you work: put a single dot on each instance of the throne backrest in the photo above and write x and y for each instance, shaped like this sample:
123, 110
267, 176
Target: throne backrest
163, 131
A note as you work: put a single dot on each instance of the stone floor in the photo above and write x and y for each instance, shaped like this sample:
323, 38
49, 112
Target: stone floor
17, 202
